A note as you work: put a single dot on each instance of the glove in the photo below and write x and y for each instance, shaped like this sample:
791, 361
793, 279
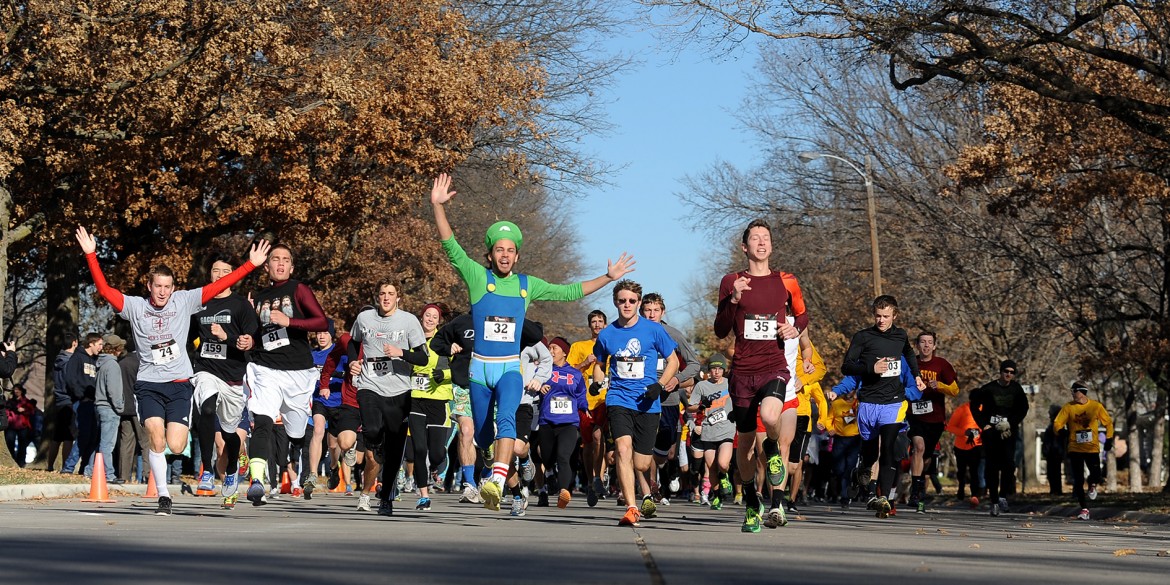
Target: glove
1109, 444
1006, 434
652, 391
438, 376
1003, 425
972, 434
706, 402
595, 389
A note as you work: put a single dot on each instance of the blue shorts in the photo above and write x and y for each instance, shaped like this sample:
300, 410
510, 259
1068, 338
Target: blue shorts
170, 401
495, 383
871, 417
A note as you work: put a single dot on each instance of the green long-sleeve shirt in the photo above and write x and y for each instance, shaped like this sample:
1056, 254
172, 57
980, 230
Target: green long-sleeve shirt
475, 276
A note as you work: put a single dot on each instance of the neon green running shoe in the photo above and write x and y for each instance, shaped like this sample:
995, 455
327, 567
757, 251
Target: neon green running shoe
751, 521
776, 470
490, 493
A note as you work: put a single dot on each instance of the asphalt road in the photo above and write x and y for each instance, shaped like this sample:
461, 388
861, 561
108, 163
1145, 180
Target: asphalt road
327, 541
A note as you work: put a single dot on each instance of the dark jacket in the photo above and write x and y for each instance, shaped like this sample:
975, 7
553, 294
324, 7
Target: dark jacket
129, 366
81, 376
995, 399
7, 363
60, 391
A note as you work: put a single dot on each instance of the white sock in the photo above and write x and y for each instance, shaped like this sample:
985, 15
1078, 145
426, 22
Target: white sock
158, 466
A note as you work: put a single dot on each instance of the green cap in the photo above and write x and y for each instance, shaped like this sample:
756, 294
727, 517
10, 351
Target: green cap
503, 230
717, 361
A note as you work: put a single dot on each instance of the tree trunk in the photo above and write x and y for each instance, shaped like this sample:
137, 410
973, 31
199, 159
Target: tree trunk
1157, 450
1133, 441
62, 279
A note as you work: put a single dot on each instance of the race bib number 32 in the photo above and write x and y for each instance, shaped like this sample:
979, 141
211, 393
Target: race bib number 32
502, 329
759, 327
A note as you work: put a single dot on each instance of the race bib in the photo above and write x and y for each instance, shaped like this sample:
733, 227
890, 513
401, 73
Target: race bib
421, 383
630, 368
163, 353
213, 350
921, 407
89, 369
996, 419
561, 405
501, 329
275, 339
377, 366
661, 365
759, 327
895, 369
849, 420
716, 417
1084, 436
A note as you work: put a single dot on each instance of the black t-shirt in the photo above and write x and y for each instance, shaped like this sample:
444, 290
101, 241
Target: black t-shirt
281, 348
869, 345
221, 358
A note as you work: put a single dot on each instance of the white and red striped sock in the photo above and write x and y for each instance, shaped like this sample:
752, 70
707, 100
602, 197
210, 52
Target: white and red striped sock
500, 473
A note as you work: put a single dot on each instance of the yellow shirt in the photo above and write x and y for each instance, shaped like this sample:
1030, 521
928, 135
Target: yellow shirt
578, 353
1082, 421
844, 415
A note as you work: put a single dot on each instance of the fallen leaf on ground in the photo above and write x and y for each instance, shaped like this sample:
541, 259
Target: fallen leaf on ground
1026, 525
941, 531
1122, 552
976, 545
920, 531
1064, 539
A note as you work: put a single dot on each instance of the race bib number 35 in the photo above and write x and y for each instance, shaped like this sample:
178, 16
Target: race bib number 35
502, 329
759, 327
163, 353
630, 368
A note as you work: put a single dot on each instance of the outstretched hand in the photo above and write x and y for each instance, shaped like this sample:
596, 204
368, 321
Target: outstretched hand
87, 241
624, 265
259, 252
441, 191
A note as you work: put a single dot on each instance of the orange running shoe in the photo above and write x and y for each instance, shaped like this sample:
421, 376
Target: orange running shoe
633, 515
563, 499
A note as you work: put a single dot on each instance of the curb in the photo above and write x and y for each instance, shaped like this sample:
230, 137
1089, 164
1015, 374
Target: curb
35, 491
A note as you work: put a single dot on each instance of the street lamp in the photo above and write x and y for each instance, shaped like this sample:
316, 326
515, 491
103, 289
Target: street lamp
807, 157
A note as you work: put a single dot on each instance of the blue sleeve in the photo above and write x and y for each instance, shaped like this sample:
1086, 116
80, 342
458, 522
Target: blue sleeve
599, 352
847, 385
912, 391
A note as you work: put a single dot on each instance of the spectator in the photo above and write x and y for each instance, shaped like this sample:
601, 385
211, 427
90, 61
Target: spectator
131, 435
19, 433
108, 402
7, 359
62, 410
80, 379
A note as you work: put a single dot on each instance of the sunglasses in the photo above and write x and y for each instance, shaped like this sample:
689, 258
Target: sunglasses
628, 301
1008, 371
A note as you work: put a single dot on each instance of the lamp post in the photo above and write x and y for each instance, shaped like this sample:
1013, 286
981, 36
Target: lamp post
807, 157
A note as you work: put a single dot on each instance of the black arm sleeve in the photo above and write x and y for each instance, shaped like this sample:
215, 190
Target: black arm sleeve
416, 356
352, 351
8, 364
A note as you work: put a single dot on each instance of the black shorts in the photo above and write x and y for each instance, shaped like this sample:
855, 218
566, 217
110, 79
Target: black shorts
381, 415
701, 445
642, 427
800, 440
524, 414
63, 423
668, 431
170, 401
930, 433
338, 418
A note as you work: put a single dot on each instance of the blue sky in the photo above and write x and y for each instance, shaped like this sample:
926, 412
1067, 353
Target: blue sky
673, 114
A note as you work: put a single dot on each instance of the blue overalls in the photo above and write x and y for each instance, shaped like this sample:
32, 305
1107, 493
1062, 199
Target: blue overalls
495, 364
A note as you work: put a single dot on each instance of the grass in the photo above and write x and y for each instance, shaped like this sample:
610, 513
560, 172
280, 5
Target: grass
10, 475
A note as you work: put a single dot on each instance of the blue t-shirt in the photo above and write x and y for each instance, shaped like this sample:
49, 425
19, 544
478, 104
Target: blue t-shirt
335, 381
635, 351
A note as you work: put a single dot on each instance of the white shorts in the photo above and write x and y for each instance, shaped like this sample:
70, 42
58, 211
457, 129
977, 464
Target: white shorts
229, 406
287, 393
683, 459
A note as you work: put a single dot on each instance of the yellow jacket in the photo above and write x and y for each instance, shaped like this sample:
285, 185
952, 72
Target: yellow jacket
1082, 421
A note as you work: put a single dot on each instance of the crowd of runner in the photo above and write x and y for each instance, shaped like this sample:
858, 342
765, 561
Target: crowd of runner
489, 405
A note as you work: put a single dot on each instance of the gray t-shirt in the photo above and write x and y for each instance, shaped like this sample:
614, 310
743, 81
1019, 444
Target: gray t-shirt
535, 364
688, 364
717, 425
381, 374
160, 335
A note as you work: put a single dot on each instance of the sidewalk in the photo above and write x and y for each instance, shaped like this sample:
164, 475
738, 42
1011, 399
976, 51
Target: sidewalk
35, 491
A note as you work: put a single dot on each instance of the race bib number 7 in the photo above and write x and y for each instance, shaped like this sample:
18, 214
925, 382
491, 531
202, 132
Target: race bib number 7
759, 327
630, 368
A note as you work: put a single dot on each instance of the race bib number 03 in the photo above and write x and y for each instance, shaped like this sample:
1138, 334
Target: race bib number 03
502, 329
275, 339
921, 407
561, 405
630, 368
1084, 436
163, 353
213, 350
759, 327
895, 369
377, 366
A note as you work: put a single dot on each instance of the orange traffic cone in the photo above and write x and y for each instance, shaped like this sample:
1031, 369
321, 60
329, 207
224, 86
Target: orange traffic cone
199, 492
344, 483
151, 490
285, 484
97, 485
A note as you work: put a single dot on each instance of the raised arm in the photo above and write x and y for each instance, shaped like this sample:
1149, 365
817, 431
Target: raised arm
441, 193
89, 248
614, 272
256, 256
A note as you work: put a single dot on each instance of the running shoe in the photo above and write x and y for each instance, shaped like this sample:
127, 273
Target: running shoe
257, 494
776, 470
649, 508
184, 488
716, 501
470, 495
1092, 493
350, 457
363, 503
230, 486
882, 508
1003, 505
725, 483
563, 499
206, 482
310, 485
591, 496
490, 494
334, 477
423, 504
995, 509
921, 507
527, 471
242, 471
1084, 515
598, 489
517, 506
675, 485
229, 502
632, 517
164, 506
542, 499
775, 518
348, 489
385, 508
737, 500
973, 502
845, 503
791, 505
751, 520
703, 500
297, 492
861, 478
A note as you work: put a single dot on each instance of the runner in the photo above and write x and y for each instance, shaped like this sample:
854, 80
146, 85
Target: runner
713, 438
457, 340
1084, 417
331, 419
535, 368
562, 407
430, 417
928, 415
808, 393
999, 408
499, 300
873, 358
846, 440
281, 377
160, 325
632, 402
968, 451
593, 425
752, 305
348, 415
391, 342
219, 366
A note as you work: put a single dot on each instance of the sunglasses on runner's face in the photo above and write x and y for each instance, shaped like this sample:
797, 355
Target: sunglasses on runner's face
1012, 372
627, 301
